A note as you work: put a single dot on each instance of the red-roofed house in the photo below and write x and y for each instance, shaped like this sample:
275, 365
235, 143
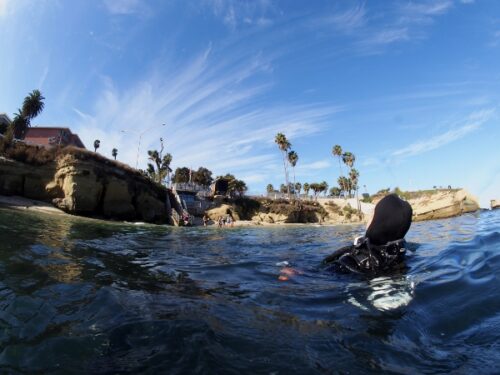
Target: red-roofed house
52, 136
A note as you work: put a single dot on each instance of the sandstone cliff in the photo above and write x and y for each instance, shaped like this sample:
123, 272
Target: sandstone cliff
495, 203
87, 187
443, 204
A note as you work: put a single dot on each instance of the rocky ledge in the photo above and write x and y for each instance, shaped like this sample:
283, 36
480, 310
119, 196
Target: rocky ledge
495, 203
443, 204
87, 188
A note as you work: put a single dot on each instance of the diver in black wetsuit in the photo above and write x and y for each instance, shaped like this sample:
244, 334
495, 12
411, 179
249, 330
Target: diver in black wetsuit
383, 245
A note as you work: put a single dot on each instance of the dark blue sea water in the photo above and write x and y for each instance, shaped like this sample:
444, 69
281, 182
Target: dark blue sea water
81, 296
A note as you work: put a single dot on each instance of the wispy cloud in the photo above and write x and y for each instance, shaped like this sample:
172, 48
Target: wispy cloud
236, 13
124, 6
316, 165
386, 36
4, 7
473, 123
213, 112
373, 32
346, 20
43, 77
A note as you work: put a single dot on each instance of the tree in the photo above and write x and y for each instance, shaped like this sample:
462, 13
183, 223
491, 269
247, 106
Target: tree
354, 177
237, 186
202, 176
162, 163
97, 143
19, 124
181, 175
335, 191
270, 188
32, 106
283, 189
344, 184
284, 145
298, 188
348, 158
306, 188
337, 151
293, 158
114, 152
316, 188
324, 187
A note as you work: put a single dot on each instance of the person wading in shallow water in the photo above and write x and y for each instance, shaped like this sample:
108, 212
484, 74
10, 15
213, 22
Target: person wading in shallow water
381, 249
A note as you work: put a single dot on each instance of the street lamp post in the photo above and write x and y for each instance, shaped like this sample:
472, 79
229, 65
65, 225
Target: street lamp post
139, 143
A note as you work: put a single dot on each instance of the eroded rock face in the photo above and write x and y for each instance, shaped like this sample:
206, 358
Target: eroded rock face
117, 200
86, 188
150, 208
495, 203
443, 204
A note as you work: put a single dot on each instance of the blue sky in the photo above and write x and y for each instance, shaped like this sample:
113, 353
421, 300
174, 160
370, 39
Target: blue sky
412, 88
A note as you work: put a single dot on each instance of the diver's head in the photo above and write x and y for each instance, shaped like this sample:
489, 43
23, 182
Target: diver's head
391, 220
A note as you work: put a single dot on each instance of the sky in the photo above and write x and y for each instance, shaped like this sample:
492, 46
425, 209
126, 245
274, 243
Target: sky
412, 88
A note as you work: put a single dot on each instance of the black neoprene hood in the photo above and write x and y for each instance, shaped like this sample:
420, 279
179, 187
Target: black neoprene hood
391, 220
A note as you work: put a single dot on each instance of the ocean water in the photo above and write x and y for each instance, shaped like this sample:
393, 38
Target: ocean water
81, 296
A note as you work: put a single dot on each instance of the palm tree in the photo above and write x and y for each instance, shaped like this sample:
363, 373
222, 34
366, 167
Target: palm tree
337, 151
354, 177
344, 184
335, 191
114, 152
284, 145
316, 188
32, 106
269, 188
298, 188
324, 187
348, 158
293, 158
97, 143
20, 124
306, 188
166, 161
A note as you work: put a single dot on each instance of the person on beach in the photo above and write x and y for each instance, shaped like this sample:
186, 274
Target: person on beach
229, 220
220, 221
206, 219
382, 246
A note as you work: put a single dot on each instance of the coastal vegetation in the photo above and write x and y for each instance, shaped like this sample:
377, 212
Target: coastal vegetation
284, 145
160, 169
33, 105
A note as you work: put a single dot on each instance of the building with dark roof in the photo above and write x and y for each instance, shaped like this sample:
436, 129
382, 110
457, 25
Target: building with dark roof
52, 136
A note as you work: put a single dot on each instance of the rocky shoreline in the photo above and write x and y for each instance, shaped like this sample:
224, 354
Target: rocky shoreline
84, 185
88, 188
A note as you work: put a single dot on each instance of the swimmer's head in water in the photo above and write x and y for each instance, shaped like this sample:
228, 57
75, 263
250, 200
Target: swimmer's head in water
391, 220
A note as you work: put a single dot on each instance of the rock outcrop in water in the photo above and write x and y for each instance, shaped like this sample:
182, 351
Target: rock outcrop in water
88, 188
443, 204
495, 203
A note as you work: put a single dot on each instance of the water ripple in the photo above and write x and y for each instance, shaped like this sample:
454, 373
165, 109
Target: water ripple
80, 296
